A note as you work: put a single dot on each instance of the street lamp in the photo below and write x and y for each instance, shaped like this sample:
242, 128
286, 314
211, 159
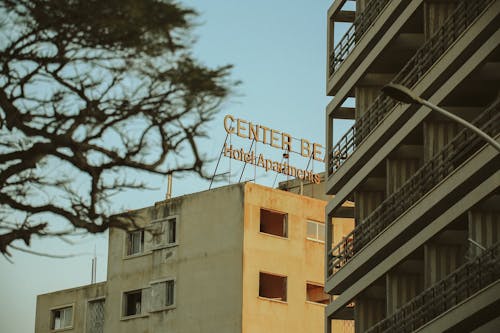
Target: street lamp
405, 95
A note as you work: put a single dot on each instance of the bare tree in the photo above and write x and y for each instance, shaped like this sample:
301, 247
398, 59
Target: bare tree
89, 91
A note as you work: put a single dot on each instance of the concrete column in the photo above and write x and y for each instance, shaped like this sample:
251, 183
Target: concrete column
435, 14
328, 325
437, 135
367, 312
398, 172
401, 288
365, 95
366, 202
441, 259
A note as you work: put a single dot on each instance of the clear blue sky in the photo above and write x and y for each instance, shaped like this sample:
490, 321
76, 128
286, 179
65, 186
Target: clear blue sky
278, 49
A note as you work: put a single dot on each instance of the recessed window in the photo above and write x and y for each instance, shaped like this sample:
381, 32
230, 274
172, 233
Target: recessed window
135, 242
132, 303
172, 230
164, 232
272, 286
315, 231
274, 223
169, 293
162, 294
315, 293
95, 316
62, 318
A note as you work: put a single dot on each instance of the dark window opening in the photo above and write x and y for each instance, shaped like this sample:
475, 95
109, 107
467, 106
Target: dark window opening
272, 286
274, 223
133, 302
172, 231
316, 294
169, 296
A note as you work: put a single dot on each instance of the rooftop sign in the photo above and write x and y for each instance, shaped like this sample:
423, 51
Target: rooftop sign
276, 139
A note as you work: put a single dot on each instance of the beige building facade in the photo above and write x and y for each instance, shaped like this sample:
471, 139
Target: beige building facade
241, 258
424, 255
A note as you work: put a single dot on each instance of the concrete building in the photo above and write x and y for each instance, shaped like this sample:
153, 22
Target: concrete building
240, 258
424, 253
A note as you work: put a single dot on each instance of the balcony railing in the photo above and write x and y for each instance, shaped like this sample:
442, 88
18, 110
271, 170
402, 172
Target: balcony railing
462, 17
429, 175
354, 33
453, 289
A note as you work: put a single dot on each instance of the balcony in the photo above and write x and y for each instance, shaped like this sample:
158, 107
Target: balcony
360, 25
464, 145
466, 281
371, 28
463, 16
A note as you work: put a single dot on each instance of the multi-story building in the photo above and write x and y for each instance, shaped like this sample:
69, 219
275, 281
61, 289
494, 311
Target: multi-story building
424, 253
240, 258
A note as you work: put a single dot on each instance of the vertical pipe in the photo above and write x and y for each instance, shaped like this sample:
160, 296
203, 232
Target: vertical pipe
169, 187
92, 277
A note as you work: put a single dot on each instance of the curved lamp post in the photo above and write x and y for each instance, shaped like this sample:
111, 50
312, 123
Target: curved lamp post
405, 95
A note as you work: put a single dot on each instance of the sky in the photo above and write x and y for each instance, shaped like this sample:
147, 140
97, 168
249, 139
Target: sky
278, 49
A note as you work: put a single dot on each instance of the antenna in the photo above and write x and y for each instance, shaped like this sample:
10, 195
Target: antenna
94, 267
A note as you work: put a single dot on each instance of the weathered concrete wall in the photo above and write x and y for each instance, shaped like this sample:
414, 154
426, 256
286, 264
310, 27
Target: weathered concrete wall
126, 274
299, 259
76, 297
206, 265
215, 264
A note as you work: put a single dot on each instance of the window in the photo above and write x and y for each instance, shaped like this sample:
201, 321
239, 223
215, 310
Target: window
172, 230
164, 232
315, 231
132, 303
62, 318
272, 286
169, 293
274, 223
162, 295
315, 293
135, 242
95, 316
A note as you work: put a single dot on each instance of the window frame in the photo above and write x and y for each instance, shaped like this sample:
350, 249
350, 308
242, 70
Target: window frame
123, 315
317, 224
168, 242
285, 223
166, 281
285, 300
52, 317
91, 300
128, 243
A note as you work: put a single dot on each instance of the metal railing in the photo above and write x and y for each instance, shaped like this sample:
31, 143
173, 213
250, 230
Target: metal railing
453, 289
462, 17
356, 30
462, 146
